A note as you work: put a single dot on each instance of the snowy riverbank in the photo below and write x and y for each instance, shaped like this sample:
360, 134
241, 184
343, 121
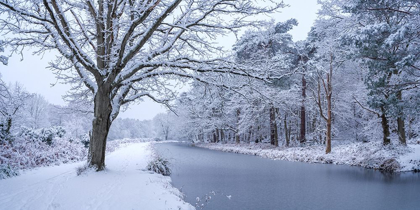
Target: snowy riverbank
371, 155
125, 184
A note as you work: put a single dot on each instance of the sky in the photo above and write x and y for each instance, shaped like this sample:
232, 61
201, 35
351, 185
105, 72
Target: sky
31, 72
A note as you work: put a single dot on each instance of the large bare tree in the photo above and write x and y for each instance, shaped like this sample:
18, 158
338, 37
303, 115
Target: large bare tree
118, 51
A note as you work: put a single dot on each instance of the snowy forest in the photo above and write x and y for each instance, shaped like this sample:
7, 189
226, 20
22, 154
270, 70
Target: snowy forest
355, 78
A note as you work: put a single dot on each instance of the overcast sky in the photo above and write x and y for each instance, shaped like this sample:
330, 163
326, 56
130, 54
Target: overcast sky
32, 74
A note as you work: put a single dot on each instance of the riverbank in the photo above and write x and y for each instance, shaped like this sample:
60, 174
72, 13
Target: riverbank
124, 184
372, 155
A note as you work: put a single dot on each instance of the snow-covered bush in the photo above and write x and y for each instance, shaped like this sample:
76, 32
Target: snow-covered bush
85, 140
29, 151
159, 165
46, 135
25, 153
7, 171
5, 135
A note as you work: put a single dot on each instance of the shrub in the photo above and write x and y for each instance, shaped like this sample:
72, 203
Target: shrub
159, 165
46, 135
85, 140
7, 171
45, 149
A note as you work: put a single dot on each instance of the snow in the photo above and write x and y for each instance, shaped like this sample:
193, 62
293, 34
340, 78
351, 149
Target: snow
29, 151
373, 155
125, 184
411, 161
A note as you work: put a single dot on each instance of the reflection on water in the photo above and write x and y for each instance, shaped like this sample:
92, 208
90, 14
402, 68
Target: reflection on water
219, 180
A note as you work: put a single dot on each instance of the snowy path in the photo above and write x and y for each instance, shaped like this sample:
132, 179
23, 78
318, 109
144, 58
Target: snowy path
123, 185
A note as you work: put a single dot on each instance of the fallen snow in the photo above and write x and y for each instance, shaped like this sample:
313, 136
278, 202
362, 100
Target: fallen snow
125, 184
24, 154
411, 161
374, 155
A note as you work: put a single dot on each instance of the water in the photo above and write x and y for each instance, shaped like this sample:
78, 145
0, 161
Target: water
236, 181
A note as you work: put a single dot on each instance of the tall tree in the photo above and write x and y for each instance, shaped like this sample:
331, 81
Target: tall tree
122, 50
274, 50
12, 101
386, 36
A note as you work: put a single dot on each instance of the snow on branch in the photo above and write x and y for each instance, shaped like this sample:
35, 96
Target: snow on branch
115, 47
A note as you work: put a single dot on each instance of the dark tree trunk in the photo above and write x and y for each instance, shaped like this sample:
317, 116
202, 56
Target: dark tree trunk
100, 128
400, 122
273, 127
286, 131
410, 130
302, 136
250, 134
8, 125
329, 117
258, 136
385, 127
214, 136
401, 131
237, 137
329, 114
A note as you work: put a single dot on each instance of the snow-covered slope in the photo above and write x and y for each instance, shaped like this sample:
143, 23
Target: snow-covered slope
123, 185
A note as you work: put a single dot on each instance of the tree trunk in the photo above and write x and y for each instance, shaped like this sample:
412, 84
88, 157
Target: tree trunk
273, 127
385, 127
286, 131
302, 136
328, 93
237, 137
100, 128
250, 134
410, 130
258, 135
401, 131
400, 122
329, 116
8, 125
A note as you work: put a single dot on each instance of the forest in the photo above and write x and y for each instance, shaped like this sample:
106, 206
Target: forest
354, 79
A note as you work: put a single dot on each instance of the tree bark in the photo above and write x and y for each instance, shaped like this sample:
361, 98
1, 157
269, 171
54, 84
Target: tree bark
329, 119
400, 122
8, 125
302, 136
286, 131
385, 127
100, 128
237, 137
273, 127
401, 131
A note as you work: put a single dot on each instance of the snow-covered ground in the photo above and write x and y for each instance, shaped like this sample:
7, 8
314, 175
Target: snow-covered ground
123, 185
372, 155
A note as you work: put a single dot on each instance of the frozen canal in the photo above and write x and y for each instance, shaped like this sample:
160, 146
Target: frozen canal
235, 181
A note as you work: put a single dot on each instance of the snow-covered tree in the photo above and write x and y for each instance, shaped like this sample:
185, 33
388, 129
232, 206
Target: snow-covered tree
37, 112
12, 101
385, 34
3, 59
130, 128
124, 50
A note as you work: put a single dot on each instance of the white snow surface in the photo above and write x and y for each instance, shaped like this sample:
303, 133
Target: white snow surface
411, 161
124, 184
373, 155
